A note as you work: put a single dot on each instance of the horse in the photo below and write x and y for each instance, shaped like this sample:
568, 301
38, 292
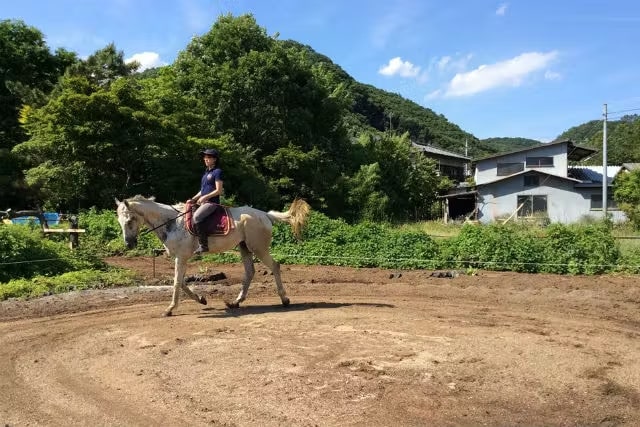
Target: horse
252, 234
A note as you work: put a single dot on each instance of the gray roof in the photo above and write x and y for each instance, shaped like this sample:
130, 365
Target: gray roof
529, 171
574, 152
439, 151
631, 166
593, 174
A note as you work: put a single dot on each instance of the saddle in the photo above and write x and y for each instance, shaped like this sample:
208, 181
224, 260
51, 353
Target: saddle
218, 224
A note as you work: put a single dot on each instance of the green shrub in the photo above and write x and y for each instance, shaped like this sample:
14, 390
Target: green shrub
334, 242
580, 249
493, 247
103, 235
72, 281
25, 253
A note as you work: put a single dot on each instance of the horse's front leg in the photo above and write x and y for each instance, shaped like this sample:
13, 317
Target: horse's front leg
178, 278
178, 283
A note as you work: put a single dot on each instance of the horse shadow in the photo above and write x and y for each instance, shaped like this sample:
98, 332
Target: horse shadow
279, 308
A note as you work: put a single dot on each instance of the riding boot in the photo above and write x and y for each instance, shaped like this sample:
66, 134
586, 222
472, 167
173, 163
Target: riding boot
203, 239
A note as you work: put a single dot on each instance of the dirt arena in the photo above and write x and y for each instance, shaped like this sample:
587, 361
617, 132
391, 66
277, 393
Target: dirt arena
355, 347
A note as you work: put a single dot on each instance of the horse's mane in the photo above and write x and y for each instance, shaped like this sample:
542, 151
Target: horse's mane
139, 198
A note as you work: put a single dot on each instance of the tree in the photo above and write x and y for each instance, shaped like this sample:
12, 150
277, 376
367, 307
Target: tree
264, 95
28, 72
395, 181
626, 192
96, 139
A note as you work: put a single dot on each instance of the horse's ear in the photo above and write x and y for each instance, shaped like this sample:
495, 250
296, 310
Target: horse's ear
117, 201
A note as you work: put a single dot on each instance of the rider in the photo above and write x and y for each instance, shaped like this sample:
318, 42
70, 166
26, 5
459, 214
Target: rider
208, 198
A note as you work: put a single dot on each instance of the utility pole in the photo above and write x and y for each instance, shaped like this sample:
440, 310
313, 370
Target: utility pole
604, 163
466, 172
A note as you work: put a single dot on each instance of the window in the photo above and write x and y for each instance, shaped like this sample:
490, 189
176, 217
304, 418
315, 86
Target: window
539, 162
505, 169
531, 181
532, 205
596, 202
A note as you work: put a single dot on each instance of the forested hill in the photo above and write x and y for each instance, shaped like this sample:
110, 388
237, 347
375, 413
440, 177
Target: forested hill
509, 144
376, 109
287, 121
623, 139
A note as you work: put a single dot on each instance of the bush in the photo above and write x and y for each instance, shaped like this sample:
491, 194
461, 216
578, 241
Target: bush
104, 235
580, 249
494, 247
334, 242
72, 281
25, 253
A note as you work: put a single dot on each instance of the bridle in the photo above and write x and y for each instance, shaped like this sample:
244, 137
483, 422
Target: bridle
166, 222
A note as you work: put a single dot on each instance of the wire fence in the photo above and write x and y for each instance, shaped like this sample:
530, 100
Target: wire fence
457, 263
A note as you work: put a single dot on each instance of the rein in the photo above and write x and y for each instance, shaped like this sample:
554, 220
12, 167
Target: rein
164, 223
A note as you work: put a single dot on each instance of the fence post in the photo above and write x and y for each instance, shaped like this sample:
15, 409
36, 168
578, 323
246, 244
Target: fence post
73, 237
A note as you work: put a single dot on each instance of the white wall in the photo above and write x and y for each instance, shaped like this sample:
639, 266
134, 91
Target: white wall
486, 170
565, 203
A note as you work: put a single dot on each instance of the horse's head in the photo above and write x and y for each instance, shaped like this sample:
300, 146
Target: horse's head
130, 222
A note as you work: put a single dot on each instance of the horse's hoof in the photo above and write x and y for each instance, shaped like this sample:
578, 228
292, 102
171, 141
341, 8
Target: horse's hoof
232, 304
166, 314
202, 300
285, 301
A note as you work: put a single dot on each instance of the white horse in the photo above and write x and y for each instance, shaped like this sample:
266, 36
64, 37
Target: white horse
252, 234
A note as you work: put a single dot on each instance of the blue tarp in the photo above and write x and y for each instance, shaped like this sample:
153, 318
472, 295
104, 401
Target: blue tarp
52, 218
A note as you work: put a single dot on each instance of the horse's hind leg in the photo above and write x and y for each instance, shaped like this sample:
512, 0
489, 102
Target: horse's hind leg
249, 272
274, 266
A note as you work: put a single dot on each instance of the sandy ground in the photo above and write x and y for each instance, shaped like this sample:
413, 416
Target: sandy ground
355, 347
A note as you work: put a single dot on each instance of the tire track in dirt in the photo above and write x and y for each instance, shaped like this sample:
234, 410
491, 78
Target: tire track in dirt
499, 349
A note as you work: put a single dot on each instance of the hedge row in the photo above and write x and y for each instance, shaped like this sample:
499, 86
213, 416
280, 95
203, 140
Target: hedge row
557, 248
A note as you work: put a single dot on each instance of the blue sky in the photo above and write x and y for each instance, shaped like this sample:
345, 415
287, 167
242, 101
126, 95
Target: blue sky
516, 68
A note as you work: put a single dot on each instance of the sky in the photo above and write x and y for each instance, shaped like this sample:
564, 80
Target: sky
520, 68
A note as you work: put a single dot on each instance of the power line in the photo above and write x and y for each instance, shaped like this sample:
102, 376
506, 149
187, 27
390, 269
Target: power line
624, 111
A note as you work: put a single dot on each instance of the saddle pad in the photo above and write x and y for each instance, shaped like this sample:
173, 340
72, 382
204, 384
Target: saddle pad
218, 224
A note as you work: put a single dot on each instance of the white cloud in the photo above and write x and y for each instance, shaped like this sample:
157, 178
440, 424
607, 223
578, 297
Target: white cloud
433, 95
455, 63
442, 63
511, 72
397, 66
552, 75
502, 9
146, 60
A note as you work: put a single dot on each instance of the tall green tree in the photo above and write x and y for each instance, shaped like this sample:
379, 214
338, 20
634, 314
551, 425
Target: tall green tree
96, 139
28, 72
266, 97
395, 181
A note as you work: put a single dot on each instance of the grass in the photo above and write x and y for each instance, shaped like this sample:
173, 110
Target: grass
433, 228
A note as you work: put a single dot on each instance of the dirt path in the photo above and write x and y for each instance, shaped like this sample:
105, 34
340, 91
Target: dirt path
356, 347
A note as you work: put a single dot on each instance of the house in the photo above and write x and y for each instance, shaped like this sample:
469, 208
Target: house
539, 182
449, 164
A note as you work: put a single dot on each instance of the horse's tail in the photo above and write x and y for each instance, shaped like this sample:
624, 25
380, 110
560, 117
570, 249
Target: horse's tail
296, 216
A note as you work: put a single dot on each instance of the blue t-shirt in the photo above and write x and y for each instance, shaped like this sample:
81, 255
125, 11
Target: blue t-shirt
208, 183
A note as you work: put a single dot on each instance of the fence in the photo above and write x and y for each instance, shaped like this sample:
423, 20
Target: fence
45, 220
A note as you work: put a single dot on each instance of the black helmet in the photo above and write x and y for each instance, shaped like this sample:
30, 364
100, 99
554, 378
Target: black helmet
210, 152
